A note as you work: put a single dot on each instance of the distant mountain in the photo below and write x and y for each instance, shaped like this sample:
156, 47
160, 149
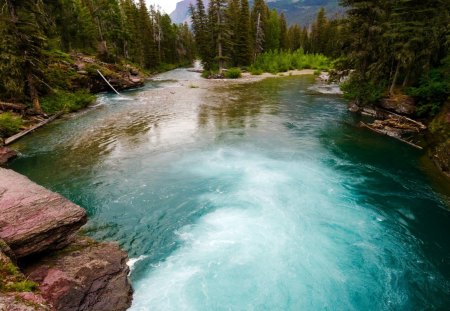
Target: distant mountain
301, 12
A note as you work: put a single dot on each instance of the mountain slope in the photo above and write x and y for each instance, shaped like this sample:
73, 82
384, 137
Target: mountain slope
301, 12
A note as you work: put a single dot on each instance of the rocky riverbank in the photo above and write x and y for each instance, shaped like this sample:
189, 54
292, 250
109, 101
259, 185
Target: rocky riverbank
44, 263
72, 79
395, 117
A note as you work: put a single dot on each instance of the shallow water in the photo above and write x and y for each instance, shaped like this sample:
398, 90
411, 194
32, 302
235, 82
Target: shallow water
253, 197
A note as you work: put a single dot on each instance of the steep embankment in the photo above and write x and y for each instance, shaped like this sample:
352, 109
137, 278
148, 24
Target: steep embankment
439, 139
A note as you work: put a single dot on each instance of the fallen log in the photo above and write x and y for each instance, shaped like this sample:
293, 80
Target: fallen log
378, 131
16, 137
11, 106
421, 125
107, 82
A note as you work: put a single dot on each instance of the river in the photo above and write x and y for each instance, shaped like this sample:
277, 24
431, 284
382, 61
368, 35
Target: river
261, 196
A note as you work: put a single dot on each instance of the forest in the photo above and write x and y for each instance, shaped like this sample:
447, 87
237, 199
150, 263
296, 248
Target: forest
387, 47
39, 38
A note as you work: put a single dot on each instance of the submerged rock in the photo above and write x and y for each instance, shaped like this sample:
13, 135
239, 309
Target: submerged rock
35, 219
86, 275
6, 154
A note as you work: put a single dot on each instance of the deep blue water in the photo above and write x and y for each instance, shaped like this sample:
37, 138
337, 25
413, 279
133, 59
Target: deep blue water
261, 196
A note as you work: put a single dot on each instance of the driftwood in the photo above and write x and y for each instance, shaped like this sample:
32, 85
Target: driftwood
107, 82
387, 134
421, 125
16, 137
11, 106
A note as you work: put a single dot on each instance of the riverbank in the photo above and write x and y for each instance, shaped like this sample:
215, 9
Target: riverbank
121, 78
45, 264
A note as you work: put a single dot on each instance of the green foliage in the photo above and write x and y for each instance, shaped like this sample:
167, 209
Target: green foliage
233, 73
256, 71
282, 61
10, 269
11, 280
10, 124
67, 102
391, 44
432, 92
21, 286
363, 91
36, 38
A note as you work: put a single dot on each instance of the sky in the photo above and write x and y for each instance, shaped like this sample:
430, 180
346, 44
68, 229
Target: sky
166, 5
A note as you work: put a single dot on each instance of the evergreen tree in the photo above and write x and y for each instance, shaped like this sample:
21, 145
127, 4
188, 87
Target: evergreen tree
203, 34
259, 16
244, 47
319, 38
22, 55
218, 24
272, 32
283, 32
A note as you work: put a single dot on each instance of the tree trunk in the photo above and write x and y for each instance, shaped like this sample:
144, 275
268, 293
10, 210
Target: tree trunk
219, 41
406, 80
394, 80
33, 93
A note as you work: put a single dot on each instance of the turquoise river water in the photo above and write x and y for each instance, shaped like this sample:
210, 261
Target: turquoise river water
261, 196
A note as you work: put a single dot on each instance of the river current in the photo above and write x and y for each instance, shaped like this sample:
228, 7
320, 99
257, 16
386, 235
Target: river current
261, 196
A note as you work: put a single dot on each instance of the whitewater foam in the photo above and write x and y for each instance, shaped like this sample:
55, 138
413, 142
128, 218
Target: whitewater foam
284, 235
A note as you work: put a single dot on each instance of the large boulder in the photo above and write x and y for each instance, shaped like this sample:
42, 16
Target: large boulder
86, 275
34, 219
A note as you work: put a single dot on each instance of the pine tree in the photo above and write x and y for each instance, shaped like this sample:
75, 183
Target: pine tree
203, 35
319, 32
283, 32
23, 43
233, 25
272, 32
217, 22
244, 39
259, 15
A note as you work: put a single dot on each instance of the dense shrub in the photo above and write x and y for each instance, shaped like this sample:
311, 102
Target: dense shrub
362, 90
233, 73
66, 101
10, 124
432, 92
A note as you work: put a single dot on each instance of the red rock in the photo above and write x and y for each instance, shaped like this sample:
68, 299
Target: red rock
87, 275
34, 219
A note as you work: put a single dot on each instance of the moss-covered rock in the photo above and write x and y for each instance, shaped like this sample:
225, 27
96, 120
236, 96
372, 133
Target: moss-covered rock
16, 291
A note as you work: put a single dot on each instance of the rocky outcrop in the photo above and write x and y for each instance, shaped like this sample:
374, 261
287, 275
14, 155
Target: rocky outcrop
6, 154
35, 219
85, 276
64, 271
401, 104
86, 76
